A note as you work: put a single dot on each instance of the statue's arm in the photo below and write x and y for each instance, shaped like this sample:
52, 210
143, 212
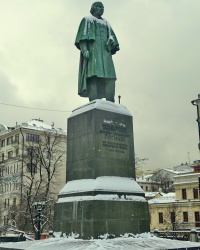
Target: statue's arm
84, 49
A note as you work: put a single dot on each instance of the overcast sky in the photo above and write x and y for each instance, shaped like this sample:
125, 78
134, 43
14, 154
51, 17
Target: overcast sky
158, 68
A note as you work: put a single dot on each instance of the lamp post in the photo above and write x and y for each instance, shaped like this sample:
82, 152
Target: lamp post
197, 104
39, 206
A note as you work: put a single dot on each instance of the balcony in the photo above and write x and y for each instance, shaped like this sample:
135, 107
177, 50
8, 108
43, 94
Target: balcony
15, 143
13, 158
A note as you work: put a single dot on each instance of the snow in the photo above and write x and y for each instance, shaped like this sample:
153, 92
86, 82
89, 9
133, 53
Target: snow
179, 172
95, 19
104, 183
102, 197
167, 198
102, 105
188, 175
151, 194
145, 179
37, 124
140, 242
186, 182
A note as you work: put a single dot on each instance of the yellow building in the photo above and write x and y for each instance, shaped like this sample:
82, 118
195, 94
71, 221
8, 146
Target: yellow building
179, 210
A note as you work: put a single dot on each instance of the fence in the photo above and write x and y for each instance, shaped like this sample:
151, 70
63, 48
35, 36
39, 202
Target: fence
185, 235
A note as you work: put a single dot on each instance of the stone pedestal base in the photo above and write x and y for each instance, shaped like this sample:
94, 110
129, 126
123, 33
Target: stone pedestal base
93, 218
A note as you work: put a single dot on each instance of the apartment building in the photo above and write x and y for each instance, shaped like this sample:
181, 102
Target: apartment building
24, 151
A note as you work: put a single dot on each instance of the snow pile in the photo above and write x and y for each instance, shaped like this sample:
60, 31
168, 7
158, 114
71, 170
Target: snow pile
105, 183
70, 236
102, 105
105, 197
138, 242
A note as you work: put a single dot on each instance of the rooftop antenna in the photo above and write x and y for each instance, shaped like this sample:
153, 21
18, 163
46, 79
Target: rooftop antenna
189, 157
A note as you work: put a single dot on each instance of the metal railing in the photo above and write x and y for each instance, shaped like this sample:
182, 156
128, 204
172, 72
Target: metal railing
184, 235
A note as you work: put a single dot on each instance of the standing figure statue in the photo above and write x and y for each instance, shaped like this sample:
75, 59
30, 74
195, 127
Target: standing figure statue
97, 42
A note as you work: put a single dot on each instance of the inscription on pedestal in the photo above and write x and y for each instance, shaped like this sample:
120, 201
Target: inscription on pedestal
115, 137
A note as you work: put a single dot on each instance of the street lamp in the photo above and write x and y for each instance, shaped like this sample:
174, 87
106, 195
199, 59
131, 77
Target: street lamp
39, 206
197, 104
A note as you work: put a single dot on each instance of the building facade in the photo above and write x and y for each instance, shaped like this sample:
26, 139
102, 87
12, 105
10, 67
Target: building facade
178, 210
30, 154
147, 184
166, 178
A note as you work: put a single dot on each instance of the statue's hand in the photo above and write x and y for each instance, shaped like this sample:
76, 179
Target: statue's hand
86, 54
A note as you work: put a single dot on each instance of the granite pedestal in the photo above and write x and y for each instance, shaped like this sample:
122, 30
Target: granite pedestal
101, 195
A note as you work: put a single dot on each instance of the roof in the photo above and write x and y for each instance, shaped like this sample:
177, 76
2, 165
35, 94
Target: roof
145, 179
176, 172
166, 198
37, 124
151, 194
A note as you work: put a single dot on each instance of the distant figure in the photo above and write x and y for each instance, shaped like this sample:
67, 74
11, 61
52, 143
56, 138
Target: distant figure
97, 42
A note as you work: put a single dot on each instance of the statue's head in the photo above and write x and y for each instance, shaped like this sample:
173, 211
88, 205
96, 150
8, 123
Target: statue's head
97, 9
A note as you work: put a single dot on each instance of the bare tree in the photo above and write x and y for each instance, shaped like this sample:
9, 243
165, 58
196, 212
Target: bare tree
164, 180
171, 217
138, 164
42, 163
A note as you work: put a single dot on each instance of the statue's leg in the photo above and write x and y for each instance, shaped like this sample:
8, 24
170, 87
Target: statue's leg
92, 88
110, 90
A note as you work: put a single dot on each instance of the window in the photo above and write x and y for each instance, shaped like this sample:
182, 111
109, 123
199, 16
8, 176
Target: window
146, 188
185, 216
32, 137
195, 193
14, 202
17, 152
173, 217
32, 168
184, 194
3, 143
10, 154
2, 157
5, 203
48, 154
9, 140
197, 219
160, 218
17, 138
4, 220
142, 187
32, 152
13, 216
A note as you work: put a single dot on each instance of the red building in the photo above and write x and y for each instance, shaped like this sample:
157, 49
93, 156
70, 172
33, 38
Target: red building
196, 166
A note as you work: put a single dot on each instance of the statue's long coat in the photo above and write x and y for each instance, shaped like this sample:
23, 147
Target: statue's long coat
101, 44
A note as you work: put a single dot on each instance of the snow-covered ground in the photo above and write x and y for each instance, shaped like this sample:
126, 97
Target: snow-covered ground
140, 242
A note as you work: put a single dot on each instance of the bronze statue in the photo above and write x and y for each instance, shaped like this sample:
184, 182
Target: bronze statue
97, 42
